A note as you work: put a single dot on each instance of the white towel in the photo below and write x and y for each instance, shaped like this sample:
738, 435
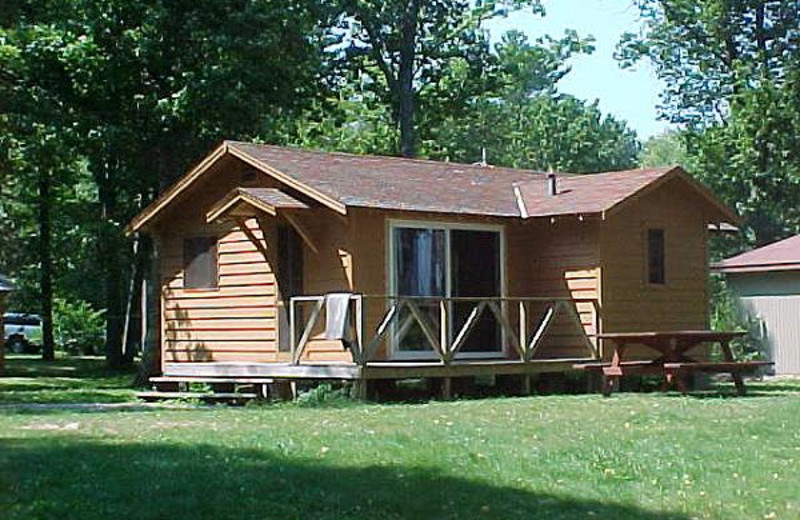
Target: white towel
337, 312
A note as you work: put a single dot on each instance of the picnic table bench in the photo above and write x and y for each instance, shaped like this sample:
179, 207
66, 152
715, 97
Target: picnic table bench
673, 363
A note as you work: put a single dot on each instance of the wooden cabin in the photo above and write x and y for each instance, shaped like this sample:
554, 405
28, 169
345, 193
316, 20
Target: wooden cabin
449, 269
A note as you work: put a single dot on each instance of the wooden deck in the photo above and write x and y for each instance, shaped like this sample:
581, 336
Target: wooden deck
370, 371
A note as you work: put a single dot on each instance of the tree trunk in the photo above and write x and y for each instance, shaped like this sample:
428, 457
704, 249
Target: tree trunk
132, 321
405, 84
110, 254
150, 362
46, 264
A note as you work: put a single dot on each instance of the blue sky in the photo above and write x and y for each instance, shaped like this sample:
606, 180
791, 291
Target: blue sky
629, 94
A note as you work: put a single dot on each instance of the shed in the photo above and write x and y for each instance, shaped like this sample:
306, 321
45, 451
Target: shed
452, 269
766, 282
5, 288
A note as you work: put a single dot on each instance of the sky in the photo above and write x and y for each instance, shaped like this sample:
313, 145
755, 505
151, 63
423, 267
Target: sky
629, 94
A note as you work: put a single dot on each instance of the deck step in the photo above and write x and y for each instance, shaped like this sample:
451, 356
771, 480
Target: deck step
210, 379
155, 395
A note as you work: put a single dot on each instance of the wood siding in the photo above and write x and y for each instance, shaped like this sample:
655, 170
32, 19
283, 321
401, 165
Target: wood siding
558, 258
631, 304
237, 318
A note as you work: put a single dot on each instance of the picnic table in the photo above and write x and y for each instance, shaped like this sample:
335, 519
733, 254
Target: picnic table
673, 363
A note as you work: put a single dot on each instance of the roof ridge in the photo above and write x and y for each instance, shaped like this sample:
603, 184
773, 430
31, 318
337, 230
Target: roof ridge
528, 171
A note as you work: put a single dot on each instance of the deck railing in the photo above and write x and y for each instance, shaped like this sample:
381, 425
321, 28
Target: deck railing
523, 334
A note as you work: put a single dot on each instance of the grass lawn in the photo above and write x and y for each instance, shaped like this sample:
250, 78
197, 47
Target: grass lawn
632, 456
28, 379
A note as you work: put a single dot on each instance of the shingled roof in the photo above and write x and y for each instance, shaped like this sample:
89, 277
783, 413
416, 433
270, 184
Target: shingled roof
395, 182
783, 255
341, 180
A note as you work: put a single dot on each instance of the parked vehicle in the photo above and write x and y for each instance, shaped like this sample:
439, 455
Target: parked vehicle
22, 332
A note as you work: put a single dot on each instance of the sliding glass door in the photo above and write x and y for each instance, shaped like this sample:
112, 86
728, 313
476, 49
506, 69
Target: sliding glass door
435, 260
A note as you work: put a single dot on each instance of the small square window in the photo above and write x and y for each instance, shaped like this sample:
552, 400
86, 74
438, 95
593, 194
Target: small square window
200, 270
656, 272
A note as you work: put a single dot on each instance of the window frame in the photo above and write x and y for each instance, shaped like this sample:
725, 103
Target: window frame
648, 273
185, 264
391, 225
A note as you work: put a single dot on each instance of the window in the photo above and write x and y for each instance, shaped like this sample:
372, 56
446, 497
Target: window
200, 263
655, 257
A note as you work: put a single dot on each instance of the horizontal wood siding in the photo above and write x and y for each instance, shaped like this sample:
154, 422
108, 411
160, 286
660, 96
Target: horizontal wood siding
558, 258
630, 303
239, 318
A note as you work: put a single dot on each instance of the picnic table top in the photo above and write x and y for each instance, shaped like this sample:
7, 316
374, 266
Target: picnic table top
692, 335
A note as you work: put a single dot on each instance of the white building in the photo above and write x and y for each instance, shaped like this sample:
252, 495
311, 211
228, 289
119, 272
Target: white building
767, 283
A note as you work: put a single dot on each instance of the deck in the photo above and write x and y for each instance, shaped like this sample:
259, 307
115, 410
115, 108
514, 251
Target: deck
523, 327
370, 371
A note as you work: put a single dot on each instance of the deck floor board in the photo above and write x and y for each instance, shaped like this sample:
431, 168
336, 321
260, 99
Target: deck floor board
372, 370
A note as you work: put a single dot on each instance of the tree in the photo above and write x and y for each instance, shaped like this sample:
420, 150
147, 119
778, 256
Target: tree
665, 149
406, 47
147, 86
523, 122
731, 70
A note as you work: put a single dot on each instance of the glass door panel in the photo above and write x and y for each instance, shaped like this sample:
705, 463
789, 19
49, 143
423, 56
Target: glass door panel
475, 273
420, 258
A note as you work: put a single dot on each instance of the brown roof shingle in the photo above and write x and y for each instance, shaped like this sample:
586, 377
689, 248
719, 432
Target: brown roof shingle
783, 255
586, 194
398, 183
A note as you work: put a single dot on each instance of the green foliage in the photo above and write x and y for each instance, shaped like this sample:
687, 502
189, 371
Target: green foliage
732, 75
540, 132
425, 60
325, 395
666, 149
727, 315
79, 329
105, 103
353, 121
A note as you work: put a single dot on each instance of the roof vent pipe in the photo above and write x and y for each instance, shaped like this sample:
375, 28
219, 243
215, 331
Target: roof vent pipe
552, 185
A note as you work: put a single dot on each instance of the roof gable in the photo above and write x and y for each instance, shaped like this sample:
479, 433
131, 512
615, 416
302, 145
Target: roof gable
268, 200
606, 193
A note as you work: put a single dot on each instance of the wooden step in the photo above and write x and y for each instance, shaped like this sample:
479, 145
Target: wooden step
154, 395
210, 380
719, 366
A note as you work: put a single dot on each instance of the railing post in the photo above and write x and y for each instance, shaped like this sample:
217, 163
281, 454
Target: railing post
523, 330
292, 327
444, 331
360, 327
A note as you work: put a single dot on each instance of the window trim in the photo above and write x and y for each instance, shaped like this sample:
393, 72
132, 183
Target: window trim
447, 226
216, 286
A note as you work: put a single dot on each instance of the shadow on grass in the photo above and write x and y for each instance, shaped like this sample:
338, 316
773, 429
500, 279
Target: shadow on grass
82, 367
28, 379
40, 479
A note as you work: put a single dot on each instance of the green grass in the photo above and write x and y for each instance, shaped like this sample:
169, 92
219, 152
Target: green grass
632, 456
28, 379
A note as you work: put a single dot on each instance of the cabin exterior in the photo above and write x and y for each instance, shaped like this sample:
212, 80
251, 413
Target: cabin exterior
766, 283
450, 269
